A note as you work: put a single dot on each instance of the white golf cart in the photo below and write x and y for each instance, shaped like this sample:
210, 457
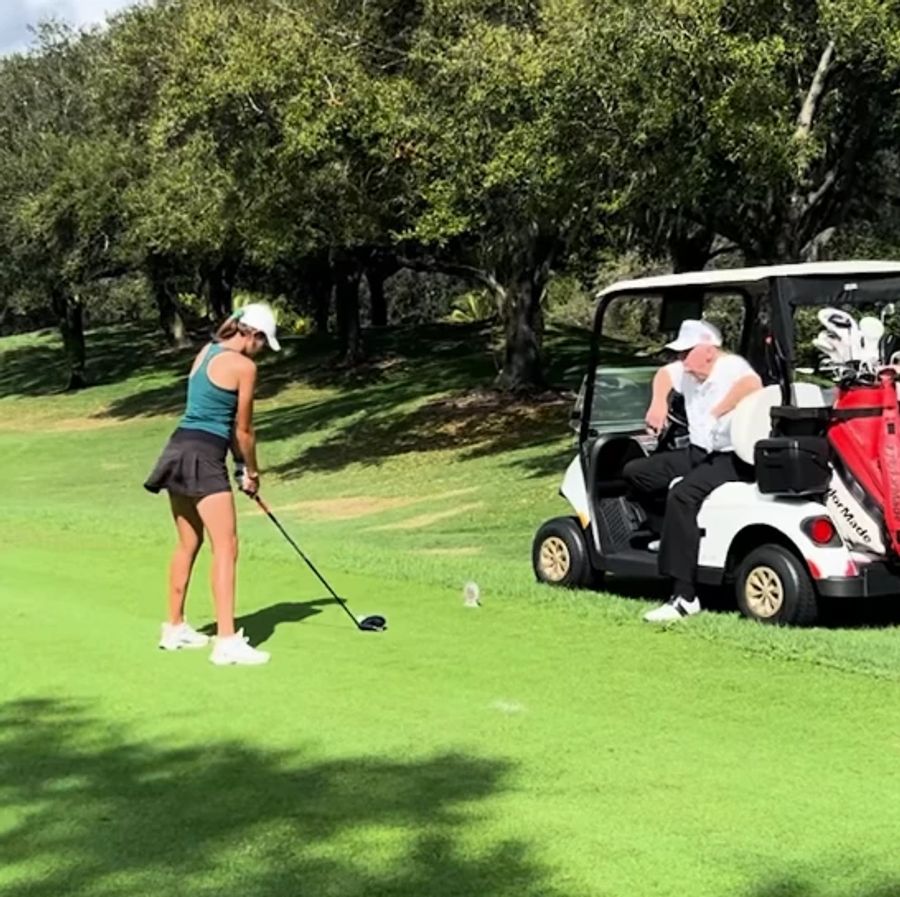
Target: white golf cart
800, 531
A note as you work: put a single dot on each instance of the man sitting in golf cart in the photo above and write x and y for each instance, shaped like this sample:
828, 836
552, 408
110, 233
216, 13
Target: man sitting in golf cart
712, 383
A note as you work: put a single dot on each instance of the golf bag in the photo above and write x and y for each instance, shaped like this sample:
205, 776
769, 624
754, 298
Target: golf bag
864, 434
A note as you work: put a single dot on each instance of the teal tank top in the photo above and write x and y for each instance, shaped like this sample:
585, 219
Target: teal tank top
209, 407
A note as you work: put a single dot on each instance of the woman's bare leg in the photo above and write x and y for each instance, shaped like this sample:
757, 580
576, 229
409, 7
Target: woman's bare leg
218, 516
190, 538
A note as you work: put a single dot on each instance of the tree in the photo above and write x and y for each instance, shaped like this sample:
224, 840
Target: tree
507, 152
754, 121
63, 179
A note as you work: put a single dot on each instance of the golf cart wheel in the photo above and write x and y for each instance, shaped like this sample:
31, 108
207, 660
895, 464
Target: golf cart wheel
773, 586
559, 554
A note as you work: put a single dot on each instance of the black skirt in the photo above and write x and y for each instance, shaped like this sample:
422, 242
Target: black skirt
192, 464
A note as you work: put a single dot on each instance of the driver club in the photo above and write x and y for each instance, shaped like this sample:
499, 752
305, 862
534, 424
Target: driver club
374, 623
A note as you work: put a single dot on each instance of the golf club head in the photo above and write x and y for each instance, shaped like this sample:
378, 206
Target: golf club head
831, 346
374, 623
835, 319
872, 330
843, 326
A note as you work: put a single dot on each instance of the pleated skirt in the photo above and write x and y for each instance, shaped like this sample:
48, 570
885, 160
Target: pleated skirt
192, 464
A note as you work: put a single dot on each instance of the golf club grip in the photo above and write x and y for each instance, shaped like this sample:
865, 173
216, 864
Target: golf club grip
309, 563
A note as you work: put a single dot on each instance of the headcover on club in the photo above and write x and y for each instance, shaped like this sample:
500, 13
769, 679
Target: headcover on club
375, 623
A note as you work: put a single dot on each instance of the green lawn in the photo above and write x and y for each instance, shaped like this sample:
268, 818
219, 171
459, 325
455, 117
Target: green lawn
546, 744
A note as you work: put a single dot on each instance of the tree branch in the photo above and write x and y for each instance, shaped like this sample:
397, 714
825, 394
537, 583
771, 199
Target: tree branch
814, 198
723, 250
814, 94
485, 278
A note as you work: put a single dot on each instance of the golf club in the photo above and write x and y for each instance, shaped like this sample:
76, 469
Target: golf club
374, 623
872, 330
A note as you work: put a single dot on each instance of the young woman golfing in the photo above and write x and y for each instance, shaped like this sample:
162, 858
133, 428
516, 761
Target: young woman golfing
191, 468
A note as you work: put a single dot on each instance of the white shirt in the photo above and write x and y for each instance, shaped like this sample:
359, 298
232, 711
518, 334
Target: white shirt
706, 431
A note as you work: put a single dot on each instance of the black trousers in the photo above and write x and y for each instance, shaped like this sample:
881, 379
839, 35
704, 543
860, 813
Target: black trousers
648, 482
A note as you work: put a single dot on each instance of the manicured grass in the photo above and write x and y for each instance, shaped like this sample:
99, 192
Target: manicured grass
546, 743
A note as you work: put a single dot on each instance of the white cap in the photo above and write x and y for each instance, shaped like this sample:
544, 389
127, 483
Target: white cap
259, 316
695, 333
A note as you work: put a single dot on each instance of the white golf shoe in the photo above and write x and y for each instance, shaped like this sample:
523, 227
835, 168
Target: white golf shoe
236, 649
676, 608
182, 635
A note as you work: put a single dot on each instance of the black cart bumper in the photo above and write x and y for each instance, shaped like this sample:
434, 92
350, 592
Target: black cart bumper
874, 580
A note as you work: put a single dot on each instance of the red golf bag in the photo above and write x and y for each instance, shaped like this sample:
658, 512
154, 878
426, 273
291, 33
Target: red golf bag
864, 433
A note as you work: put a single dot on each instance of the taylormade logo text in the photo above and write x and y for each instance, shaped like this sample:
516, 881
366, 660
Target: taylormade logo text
849, 517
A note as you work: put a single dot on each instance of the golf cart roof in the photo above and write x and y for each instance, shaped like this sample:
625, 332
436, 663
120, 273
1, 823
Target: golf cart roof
729, 276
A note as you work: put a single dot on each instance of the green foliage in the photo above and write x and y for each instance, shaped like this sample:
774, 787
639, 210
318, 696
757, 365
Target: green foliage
510, 143
473, 306
568, 302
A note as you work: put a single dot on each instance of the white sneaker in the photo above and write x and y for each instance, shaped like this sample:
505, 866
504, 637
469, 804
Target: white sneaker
653, 546
175, 637
676, 608
237, 649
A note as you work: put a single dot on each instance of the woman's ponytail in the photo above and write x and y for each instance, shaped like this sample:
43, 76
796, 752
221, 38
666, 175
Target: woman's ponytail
231, 326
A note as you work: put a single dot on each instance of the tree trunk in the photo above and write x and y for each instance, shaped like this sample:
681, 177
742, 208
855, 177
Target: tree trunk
375, 278
347, 276
221, 288
690, 248
523, 367
170, 317
70, 315
321, 285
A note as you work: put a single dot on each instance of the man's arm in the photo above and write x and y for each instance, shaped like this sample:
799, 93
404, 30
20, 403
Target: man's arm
743, 387
658, 412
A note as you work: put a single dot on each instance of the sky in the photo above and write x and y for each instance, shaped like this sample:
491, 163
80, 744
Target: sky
17, 15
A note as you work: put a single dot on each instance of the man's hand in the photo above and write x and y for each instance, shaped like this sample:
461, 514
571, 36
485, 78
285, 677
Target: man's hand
656, 417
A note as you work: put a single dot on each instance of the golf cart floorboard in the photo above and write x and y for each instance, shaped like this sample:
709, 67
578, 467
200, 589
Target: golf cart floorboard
640, 563
636, 562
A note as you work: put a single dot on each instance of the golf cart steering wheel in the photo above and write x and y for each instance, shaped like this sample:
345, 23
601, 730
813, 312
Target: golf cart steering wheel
676, 424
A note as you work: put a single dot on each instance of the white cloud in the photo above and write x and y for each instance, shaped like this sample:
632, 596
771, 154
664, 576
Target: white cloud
19, 14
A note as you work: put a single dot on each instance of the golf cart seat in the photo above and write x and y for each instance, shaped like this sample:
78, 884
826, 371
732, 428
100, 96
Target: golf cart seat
608, 457
752, 419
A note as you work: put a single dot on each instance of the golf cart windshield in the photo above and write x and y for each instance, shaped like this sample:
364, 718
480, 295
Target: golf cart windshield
620, 399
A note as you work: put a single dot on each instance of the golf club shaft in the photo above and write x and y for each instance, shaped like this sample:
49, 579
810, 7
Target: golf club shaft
309, 563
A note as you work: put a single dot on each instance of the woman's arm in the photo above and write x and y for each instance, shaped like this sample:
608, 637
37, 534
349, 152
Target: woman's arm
244, 437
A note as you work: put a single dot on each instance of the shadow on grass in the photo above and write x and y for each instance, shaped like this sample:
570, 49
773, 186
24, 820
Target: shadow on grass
385, 411
404, 364
260, 625
791, 886
381, 408
474, 423
113, 354
860, 613
95, 812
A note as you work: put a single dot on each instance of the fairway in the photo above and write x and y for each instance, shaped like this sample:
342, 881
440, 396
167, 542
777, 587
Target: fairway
544, 744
